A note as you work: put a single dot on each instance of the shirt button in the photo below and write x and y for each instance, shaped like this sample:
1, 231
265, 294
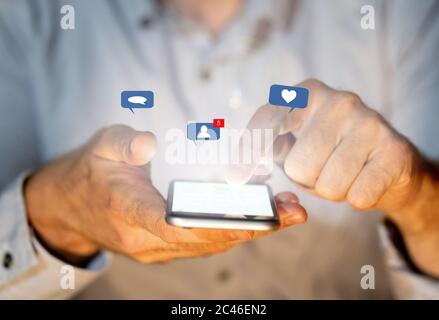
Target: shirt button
8, 259
224, 275
205, 74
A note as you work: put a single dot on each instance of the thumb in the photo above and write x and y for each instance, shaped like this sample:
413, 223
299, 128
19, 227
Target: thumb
123, 144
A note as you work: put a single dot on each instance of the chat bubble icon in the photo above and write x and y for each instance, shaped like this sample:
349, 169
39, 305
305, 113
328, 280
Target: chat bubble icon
137, 100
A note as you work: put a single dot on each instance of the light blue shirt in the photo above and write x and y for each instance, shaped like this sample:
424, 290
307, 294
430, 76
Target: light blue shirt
58, 87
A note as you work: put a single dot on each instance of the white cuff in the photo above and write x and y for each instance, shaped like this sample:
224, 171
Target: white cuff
406, 284
15, 240
31, 272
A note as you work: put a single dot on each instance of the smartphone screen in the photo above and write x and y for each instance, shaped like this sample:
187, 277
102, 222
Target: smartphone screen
221, 199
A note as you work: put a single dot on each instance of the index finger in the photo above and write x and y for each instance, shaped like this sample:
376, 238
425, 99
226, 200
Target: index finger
275, 119
242, 167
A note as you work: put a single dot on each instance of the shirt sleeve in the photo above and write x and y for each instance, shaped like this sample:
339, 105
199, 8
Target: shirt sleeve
28, 271
412, 46
406, 282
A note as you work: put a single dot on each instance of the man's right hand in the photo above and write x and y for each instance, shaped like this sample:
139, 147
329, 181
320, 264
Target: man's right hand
101, 196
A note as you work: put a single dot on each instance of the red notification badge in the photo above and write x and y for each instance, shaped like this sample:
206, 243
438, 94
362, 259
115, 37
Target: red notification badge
218, 123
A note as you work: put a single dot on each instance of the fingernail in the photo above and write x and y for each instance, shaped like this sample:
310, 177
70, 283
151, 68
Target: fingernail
294, 219
289, 207
287, 197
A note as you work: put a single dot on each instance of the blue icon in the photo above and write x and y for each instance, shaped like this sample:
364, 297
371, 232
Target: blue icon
137, 99
285, 96
202, 131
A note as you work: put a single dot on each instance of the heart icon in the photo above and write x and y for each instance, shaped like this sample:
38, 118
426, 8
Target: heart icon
288, 95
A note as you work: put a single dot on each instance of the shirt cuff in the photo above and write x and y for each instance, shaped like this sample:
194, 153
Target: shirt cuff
16, 252
28, 270
407, 282
64, 279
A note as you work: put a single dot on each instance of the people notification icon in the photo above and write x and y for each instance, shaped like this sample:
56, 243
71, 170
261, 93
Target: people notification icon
218, 123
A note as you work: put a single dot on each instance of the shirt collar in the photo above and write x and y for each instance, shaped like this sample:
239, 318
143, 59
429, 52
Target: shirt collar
247, 32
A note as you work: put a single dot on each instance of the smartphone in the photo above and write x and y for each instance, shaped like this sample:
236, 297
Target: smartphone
196, 204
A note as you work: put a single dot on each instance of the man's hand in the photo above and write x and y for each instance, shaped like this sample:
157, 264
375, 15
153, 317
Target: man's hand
101, 196
341, 150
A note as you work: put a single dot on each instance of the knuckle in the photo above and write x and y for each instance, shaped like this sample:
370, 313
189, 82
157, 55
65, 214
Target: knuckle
112, 135
395, 150
97, 139
328, 191
371, 123
296, 172
360, 200
401, 148
117, 127
108, 131
98, 135
314, 84
299, 168
347, 101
